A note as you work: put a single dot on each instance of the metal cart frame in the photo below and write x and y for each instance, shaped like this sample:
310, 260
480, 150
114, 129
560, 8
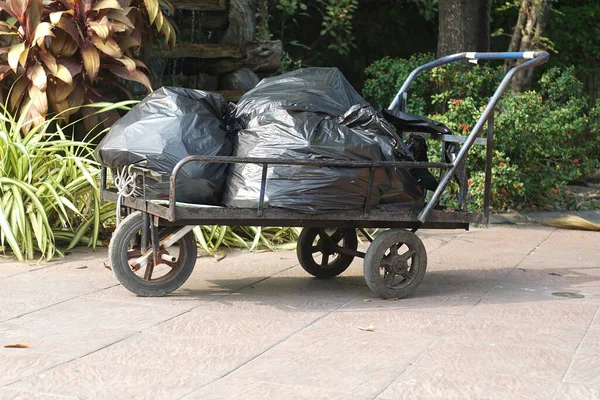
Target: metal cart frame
155, 230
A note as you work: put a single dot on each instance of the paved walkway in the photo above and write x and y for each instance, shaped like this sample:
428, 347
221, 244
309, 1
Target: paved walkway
485, 324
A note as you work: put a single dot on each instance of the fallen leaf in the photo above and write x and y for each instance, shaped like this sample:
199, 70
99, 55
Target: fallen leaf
367, 329
219, 255
16, 346
367, 300
107, 266
392, 299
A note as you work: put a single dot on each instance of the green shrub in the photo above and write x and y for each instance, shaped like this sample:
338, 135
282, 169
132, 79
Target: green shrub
385, 77
544, 138
48, 188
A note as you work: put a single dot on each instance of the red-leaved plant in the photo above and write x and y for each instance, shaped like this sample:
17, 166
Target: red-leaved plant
57, 53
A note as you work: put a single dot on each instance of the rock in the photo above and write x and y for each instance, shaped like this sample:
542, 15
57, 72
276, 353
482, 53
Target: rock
206, 82
264, 56
593, 179
242, 22
242, 79
257, 56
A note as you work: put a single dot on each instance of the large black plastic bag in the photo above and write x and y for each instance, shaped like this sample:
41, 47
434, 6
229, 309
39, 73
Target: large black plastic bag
167, 126
320, 90
313, 114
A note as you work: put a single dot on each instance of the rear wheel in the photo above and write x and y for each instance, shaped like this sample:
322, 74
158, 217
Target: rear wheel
174, 267
395, 263
319, 254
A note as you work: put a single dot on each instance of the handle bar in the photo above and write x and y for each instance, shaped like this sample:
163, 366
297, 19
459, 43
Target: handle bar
535, 58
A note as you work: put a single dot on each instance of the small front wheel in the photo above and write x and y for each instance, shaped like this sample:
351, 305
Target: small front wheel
395, 263
319, 253
175, 266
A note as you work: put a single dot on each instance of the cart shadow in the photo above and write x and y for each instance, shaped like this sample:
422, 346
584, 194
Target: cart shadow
439, 289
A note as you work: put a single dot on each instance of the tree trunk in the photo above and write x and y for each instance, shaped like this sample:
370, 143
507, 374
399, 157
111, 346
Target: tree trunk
464, 25
527, 35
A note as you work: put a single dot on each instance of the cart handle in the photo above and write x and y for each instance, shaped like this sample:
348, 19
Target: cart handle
535, 58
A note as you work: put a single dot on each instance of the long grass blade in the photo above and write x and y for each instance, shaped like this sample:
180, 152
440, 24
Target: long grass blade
10, 237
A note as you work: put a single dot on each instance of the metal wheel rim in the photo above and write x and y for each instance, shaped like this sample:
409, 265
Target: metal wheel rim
318, 245
399, 266
147, 271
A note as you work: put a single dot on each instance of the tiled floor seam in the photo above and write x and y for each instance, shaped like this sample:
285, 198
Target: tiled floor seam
186, 311
68, 361
242, 288
420, 355
281, 385
448, 242
587, 330
551, 232
502, 280
49, 395
57, 303
276, 344
30, 268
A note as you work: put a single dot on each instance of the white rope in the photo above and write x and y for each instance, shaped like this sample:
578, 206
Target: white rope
125, 181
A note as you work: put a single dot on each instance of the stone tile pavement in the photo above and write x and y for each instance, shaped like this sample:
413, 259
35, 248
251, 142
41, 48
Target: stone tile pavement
486, 323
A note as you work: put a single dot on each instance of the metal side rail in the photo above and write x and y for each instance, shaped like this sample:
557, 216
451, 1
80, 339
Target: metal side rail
266, 162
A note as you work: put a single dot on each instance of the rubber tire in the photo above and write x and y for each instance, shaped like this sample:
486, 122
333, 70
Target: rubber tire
375, 254
305, 255
117, 251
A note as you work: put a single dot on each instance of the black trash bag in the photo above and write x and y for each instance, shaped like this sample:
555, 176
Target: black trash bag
406, 122
417, 145
319, 90
306, 123
167, 126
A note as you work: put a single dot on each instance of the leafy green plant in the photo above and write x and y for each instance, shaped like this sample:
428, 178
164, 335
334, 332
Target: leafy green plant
427, 8
58, 53
288, 64
337, 24
48, 187
211, 238
386, 76
543, 141
460, 81
290, 10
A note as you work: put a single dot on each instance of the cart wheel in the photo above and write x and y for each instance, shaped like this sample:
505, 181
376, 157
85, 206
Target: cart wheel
146, 279
395, 263
318, 251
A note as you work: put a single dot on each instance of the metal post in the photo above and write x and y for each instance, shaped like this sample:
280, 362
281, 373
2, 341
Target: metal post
155, 249
487, 187
369, 189
403, 102
144, 188
102, 180
263, 188
145, 229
